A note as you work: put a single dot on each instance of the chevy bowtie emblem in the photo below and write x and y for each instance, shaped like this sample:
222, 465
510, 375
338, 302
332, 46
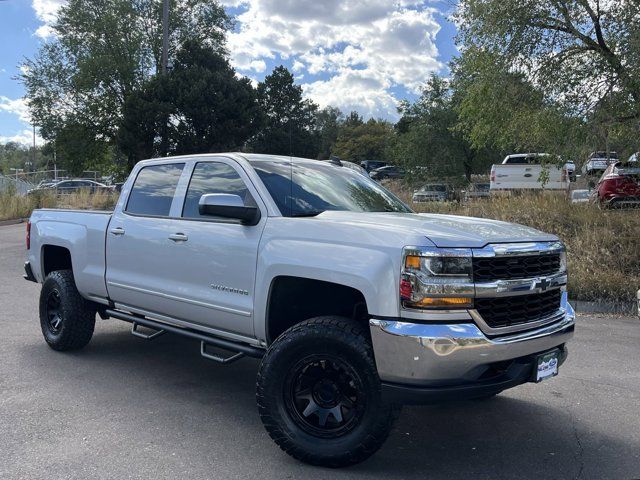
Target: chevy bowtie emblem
542, 284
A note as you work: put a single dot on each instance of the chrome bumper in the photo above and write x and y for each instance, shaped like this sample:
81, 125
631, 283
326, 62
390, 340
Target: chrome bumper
444, 354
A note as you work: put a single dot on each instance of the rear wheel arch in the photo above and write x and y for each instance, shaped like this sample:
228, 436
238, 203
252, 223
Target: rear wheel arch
55, 257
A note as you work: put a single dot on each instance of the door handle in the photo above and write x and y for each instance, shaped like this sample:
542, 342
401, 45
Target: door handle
178, 237
117, 231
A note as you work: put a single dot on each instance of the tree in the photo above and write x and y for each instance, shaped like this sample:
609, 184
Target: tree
580, 54
328, 125
209, 108
499, 108
78, 150
15, 155
428, 137
359, 141
103, 51
288, 121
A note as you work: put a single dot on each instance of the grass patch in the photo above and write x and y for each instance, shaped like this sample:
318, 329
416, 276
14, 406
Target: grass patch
603, 246
16, 206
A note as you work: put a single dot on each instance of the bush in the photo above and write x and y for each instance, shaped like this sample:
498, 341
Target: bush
603, 246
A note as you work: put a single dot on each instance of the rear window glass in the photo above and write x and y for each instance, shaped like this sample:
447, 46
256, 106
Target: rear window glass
153, 190
518, 161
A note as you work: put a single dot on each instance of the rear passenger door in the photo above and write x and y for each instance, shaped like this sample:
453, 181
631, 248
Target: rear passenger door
140, 271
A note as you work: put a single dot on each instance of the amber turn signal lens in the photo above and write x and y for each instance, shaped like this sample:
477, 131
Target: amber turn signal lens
412, 261
445, 302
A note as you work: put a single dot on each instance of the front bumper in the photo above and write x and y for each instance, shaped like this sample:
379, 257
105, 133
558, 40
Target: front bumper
622, 201
427, 362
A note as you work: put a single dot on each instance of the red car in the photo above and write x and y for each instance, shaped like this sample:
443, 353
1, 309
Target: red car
618, 187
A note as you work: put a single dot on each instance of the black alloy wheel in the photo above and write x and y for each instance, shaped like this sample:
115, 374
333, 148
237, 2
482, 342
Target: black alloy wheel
325, 396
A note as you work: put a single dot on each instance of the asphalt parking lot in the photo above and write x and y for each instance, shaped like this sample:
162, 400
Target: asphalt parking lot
127, 408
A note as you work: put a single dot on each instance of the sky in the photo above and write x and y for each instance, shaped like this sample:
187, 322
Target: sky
362, 55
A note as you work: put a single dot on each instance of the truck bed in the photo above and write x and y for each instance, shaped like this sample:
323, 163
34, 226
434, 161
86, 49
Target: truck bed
83, 234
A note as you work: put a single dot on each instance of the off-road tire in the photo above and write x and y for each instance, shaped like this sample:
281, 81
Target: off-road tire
73, 328
347, 342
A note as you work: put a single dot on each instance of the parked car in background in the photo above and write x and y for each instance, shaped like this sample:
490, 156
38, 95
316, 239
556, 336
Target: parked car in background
475, 191
597, 162
433, 192
580, 196
370, 165
47, 183
390, 171
73, 186
525, 171
619, 186
634, 158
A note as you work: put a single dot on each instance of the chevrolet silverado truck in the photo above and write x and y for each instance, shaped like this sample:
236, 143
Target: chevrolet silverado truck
353, 303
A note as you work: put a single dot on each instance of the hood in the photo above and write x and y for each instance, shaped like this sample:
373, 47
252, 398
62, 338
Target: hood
443, 230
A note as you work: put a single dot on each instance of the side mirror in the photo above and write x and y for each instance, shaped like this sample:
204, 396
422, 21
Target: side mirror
228, 206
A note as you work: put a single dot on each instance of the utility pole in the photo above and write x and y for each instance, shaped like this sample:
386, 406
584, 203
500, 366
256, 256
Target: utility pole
34, 145
164, 132
165, 37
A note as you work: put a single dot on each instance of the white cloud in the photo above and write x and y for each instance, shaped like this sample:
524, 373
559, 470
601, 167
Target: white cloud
346, 44
46, 11
24, 137
392, 41
364, 91
15, 107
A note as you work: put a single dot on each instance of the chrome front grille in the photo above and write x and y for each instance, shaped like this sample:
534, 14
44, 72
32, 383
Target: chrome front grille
501, 312
518, 286
515, 267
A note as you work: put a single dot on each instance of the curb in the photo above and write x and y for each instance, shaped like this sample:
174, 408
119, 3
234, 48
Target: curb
583, 306
14, 221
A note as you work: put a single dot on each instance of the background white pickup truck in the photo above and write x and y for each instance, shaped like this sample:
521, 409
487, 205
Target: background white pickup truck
524, 171
354, 303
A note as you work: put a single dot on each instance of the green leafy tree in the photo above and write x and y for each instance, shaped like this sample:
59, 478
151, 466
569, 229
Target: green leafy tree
209, 109
499, 108
581, 55
15, 155
78, 150
428, 142
103, 51
328, 124
359, 140
289, 121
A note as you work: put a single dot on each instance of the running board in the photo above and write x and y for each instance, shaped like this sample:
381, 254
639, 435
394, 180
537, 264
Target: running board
240, 349
147, 336
218, 358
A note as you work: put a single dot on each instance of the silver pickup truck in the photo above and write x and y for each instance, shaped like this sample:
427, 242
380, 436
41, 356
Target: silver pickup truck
354, 304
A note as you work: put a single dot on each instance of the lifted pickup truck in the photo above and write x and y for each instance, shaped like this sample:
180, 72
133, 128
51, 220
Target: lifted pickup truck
354, 304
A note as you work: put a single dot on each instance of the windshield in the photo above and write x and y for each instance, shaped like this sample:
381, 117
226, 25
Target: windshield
310, 188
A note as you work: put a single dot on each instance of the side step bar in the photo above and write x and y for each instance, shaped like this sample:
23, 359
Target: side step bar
240, 349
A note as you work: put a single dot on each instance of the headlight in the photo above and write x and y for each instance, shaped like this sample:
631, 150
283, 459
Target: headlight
563, 260
436, 278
